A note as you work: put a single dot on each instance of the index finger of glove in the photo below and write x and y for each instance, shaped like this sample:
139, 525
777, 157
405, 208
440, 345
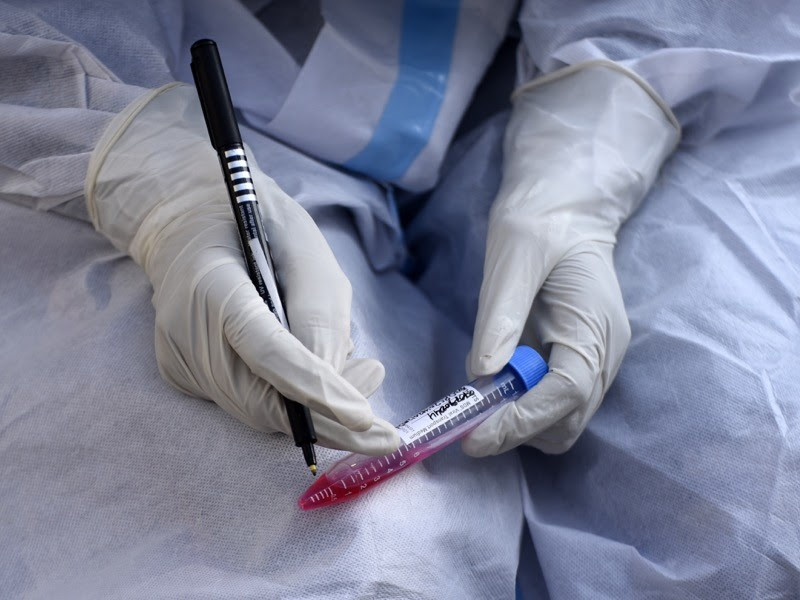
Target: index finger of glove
275, 355
566, 387
380, 439
316, 292
514, 270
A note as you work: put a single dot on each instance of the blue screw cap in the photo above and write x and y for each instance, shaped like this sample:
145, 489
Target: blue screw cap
528, 366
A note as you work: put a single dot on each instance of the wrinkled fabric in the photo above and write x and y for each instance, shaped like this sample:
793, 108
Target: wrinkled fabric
383, 87
56, 99
708, 61
381, 83
69, 68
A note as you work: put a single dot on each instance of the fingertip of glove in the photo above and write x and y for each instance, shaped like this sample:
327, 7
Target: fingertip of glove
392, 440
480, 365
486, 364
364, 374
375, 368
487, 438
473, 447
490, 353
380, 440
362, 424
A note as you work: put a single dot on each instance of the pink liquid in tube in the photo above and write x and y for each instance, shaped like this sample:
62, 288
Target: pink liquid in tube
427, 432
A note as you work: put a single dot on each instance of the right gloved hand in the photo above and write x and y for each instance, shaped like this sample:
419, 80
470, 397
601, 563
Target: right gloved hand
155, 189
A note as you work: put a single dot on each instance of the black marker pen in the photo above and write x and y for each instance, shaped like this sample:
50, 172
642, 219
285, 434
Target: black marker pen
212, 88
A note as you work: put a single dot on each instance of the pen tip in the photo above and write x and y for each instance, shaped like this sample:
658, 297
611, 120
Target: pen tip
313, 470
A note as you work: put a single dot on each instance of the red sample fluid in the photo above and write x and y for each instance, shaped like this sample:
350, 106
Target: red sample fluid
427, 432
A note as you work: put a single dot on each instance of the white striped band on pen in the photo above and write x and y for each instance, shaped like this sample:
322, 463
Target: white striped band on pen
239, 172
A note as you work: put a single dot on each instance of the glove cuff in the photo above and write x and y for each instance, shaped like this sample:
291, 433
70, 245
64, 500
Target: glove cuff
114, 163
605, 64
583, 146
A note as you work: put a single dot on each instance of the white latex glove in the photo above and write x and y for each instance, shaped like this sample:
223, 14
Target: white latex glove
582, 148
155, 189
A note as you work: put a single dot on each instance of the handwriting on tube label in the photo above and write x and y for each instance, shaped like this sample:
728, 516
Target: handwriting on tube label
449, 407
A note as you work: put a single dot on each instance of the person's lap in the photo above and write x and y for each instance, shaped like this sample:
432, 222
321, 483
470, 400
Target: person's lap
114, 484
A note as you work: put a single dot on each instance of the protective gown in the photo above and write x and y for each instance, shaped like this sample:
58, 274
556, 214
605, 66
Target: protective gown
112, 484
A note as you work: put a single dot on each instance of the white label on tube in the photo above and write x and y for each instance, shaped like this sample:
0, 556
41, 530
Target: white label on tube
437, 414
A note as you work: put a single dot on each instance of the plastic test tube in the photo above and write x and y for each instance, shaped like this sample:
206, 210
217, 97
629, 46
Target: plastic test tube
430, 430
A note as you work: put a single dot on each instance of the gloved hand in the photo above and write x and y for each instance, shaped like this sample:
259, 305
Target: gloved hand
582, 148
155, 189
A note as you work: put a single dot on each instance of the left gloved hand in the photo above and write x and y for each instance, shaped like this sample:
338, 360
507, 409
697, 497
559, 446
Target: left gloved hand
155, 190
582, 148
